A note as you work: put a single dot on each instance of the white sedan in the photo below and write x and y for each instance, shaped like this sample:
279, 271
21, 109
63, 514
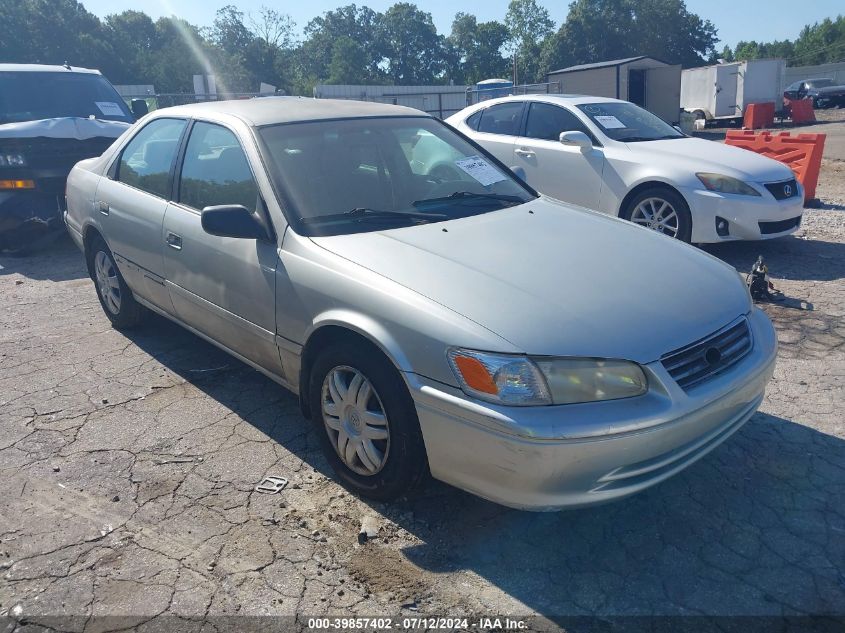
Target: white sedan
617, 158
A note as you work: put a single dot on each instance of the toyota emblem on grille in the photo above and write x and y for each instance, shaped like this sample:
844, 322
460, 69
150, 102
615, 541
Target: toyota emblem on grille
712, 356
787, 190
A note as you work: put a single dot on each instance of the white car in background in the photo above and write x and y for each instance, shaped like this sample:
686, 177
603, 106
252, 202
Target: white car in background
615, 157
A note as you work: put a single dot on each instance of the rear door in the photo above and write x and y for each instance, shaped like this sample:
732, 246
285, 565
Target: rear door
131, 202
559, 171
224, 287
727, 76
498, 129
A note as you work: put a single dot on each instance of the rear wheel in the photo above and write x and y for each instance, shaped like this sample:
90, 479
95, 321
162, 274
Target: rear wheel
114, 295
661, 210
367, 422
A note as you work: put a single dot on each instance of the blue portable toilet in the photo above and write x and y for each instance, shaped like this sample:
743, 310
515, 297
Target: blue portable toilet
493, 88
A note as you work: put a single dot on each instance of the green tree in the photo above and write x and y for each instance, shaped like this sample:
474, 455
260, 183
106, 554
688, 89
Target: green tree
476, 49
820, 43
529, 26
413, 49
600, 30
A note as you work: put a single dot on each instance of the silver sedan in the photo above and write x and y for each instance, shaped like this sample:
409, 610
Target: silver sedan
456, 322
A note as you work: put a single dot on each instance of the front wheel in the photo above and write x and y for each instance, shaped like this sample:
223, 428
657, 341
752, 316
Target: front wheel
661, 210
366, 420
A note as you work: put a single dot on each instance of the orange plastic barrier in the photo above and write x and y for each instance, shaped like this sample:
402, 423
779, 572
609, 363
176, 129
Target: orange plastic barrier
800, 110
802, 153
759, 115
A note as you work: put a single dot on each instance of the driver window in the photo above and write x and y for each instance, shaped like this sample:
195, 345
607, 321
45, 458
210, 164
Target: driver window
547, 121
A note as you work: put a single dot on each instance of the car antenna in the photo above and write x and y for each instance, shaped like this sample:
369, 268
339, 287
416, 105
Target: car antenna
66, 65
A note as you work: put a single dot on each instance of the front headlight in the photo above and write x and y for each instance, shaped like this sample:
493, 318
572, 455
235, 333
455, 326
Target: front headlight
726, 184
12, 160
523, 381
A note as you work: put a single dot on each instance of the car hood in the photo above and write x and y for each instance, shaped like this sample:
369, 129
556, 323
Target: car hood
64, 127
699, 155
557, 280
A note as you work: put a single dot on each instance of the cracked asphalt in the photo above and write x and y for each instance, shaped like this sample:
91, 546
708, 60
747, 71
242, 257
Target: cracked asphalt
128, 464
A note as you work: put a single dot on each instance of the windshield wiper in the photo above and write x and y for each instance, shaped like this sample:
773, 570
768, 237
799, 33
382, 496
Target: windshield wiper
363, 213
469, 195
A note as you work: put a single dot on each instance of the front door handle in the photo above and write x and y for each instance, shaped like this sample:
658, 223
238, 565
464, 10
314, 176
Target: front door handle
103, 207
524, 152
174, 241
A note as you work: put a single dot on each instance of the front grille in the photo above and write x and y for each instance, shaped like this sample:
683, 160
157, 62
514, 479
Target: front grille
768, 228
783, 190
697, 363
56, 153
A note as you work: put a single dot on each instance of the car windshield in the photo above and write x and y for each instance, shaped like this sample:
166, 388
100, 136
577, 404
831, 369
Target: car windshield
31, 96
628, 123
357, 175
820, 83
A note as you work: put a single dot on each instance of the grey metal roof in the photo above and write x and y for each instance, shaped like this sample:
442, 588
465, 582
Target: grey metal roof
612, 62
270, 110
45, 68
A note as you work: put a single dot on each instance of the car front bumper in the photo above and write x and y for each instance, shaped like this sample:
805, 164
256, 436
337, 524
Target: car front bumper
748, 217
548, 458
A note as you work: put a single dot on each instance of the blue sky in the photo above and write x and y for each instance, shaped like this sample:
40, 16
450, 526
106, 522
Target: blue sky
736, 19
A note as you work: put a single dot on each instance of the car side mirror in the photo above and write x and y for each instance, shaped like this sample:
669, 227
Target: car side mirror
139, 108
678, 127
232, 220
576, 139
519, 172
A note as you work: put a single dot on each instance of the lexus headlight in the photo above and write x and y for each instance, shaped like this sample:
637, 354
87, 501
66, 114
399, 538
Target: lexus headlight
522, 381
726, 184
12, 160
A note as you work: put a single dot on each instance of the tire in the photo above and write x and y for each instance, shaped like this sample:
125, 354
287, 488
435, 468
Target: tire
115, 296
652, 198
399, 460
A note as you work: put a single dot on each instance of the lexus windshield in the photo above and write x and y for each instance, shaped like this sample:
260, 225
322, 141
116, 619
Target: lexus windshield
32, 96
357, 175
628, 123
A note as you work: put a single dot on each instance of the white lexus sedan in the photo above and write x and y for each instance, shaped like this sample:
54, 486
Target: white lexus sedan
615, 157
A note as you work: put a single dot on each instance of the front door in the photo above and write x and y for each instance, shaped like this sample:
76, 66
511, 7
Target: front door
224, 287
559, 171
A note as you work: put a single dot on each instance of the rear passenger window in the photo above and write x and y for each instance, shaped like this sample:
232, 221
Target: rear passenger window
145, 162
501, 119
547, 121
473, 120
215, 170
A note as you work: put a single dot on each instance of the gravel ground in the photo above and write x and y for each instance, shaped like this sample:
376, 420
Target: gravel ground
128, 465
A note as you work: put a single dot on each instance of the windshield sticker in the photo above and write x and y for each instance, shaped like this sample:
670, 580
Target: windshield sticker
109, 108
481, 170
609, 122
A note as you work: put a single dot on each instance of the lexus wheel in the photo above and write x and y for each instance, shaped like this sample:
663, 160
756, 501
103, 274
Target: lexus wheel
661, 210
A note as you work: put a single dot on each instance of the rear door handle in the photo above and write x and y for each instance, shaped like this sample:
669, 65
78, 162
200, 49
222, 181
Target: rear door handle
103, 207
174, 241
523, 152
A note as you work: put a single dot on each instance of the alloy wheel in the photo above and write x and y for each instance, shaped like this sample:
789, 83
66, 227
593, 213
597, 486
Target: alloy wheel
107, 281
657, 214
355, 420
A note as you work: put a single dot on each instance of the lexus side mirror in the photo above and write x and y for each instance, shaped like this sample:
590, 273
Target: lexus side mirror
519, 172
139, 108
232, 220
576, 139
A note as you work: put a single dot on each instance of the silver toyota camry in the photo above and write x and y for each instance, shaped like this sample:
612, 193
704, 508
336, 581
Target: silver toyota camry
431, 317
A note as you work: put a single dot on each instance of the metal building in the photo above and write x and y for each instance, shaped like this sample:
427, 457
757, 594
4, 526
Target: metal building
646, 81
441, 101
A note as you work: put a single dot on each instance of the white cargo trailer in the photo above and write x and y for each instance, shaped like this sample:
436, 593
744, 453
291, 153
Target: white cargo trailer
722, 91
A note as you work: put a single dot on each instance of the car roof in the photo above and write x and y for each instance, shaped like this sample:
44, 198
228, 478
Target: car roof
45, 68
547, 98
273, 110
